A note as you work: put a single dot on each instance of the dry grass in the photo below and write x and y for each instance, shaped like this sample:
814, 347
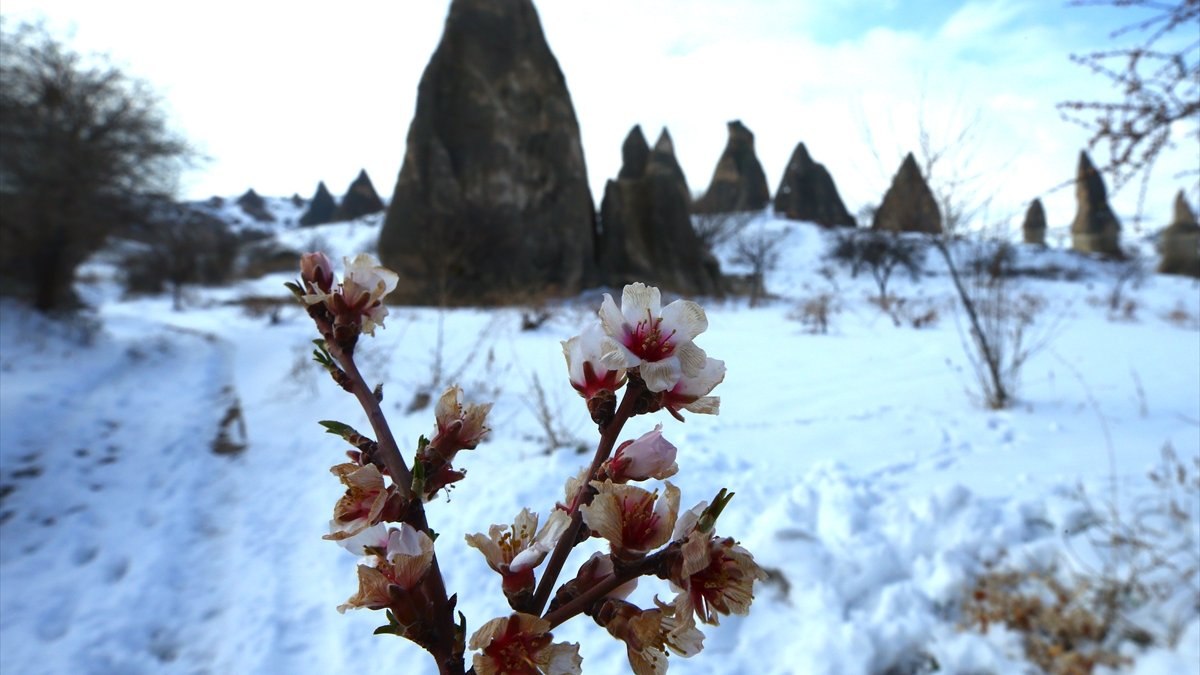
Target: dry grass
1139, 586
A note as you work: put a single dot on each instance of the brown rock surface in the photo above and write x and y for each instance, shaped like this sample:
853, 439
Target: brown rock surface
1095, 228
1179, 243
908, 205
646, 231
807, 192
360, 200
320, 208
492, 201
738, 183
1034, 227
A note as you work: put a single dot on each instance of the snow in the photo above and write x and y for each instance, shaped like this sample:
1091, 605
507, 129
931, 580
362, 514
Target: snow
869, 479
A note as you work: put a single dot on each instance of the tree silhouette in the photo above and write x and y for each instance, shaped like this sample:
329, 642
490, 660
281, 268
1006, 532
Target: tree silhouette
84, 149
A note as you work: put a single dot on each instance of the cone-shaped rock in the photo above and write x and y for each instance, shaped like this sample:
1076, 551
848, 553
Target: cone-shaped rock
646, 231
807, 192
908, 205
738, 183
492, 200
255, 206
1096, 228
1179, 243
360, 200
663, 163
634, 154
1034, 227
320, 207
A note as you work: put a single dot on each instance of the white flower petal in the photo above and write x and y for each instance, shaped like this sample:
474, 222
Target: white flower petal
611, 319
661, 375
692, 359
705, 405
686, 318
616, 356
637, 299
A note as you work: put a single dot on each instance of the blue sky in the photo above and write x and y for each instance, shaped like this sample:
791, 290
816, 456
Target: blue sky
282, 95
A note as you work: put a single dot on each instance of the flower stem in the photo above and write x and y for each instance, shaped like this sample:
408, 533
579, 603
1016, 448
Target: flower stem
607, 585
445, 648
608, 438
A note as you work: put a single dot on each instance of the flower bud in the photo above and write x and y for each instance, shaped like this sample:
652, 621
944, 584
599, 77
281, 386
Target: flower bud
317, 269
650, 456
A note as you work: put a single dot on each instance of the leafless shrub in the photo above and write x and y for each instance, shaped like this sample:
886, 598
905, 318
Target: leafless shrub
82, 145
758, 250
1131, 272
715, 229
1000, 336
814, 312
915, 313
440, 374
550, 419
881, 254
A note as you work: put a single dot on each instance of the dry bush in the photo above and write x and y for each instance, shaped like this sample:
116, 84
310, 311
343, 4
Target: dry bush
1180, 316
551, 420
880, 253
1062, 633
814, 312
1138, 586
916, 313
1001, 335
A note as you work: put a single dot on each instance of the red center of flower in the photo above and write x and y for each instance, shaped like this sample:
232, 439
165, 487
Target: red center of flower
639, 522
514, 652
647, 341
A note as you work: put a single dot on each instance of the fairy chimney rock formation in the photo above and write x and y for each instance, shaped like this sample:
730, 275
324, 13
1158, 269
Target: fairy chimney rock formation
908, 205
635, 152
492, 202
1096, 228
646, 231
1179, 243
663, 163
807, 192
1034, 227
320, 207
255, 206
738, 183
360, 199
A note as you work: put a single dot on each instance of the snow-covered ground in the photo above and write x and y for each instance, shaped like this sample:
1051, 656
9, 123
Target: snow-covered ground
869, 477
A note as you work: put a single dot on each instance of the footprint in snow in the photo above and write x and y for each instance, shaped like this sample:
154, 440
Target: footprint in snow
116, 570
84, 555
55, 621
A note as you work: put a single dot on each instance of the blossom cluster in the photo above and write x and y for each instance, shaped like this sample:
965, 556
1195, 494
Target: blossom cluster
638, 358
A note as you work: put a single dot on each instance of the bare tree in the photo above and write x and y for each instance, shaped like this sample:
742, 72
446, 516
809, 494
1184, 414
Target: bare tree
759, 250
715, 229
881, 254
1156, 82
82, 147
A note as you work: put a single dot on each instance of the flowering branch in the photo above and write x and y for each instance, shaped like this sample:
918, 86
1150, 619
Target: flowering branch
640, 346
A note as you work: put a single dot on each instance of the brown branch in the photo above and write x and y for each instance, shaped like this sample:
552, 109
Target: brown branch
569, 539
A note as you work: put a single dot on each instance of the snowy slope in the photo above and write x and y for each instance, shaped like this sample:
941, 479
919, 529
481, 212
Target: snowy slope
867, 477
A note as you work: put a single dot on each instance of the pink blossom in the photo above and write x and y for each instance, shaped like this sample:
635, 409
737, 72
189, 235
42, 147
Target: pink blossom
650, 456
589, 376
657, 340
